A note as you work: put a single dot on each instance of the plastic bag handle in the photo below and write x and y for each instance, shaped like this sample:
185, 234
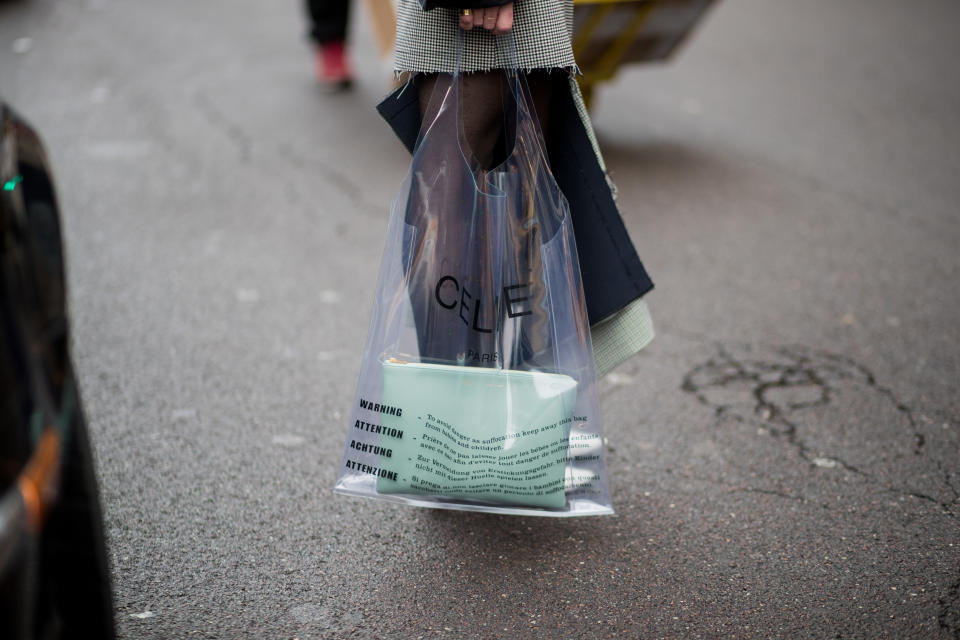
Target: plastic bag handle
507, 57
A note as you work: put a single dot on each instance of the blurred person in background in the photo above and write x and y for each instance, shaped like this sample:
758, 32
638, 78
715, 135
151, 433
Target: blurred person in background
328, 32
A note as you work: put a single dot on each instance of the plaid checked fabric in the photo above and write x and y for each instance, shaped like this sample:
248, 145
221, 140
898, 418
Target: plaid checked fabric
426, 40
620, 336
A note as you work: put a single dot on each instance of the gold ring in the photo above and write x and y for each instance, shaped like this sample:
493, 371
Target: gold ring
467, 12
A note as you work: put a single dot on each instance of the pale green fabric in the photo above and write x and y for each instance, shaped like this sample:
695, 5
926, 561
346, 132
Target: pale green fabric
620, 336
512, 418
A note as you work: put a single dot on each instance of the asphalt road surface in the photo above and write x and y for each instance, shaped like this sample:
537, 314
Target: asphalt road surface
783, 458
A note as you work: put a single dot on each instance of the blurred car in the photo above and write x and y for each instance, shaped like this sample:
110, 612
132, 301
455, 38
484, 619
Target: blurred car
54, 578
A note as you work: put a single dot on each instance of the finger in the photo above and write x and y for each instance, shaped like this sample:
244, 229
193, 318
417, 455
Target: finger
466, 21
490, 18
504, 19
479, 15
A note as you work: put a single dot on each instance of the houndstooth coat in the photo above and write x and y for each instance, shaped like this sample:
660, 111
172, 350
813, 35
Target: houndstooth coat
614, 279
426, 40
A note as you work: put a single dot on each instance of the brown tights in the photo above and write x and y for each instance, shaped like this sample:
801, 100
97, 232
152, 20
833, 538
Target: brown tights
482, 98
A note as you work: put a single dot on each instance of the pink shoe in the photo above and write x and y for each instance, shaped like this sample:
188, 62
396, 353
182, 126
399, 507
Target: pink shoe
332, 67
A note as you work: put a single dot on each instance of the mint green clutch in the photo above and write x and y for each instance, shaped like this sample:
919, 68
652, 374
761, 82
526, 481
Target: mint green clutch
475, 434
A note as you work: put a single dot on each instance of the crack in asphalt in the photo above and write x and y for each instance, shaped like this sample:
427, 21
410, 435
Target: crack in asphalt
351, 189
949, 617
768, 492
219, 119
727, 488
797, 368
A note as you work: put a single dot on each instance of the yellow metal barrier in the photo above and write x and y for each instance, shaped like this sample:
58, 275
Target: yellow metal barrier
610, 33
